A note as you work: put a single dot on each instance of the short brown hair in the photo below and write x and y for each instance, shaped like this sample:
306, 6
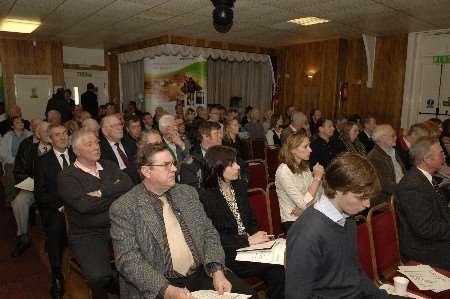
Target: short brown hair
421, 149
293, 141
146, 153
350, 172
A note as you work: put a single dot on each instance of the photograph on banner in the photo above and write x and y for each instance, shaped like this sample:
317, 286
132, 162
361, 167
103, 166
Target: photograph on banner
175, 79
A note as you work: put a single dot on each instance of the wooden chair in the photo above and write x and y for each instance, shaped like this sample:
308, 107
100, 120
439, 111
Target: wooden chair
260, 206
258, 173
277, 228
272, 160
259, 148
364, 250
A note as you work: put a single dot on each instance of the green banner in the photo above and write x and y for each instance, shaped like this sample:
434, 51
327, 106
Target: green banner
441, 59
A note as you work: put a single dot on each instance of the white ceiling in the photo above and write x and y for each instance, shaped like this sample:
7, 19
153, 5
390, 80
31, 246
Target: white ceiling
112, 23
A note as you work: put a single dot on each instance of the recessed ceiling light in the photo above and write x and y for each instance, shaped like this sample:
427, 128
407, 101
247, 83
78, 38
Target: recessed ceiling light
308, 21
20, 26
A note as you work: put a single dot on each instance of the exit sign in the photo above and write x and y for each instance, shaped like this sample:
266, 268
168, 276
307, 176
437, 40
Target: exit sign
441, 59
84, 74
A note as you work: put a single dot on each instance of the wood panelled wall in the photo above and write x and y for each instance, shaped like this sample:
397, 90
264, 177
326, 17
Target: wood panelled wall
19, 56
344, 60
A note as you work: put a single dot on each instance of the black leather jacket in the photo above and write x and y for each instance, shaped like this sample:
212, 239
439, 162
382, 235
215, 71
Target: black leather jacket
25, 161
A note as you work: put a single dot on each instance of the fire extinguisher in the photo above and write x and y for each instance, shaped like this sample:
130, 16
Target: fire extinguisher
343, 92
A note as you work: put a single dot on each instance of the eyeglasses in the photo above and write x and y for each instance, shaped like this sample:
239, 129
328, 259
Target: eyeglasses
166, 165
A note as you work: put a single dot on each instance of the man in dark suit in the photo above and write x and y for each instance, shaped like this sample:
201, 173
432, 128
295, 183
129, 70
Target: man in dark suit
366, 135
24, 167
133, 130
50, 202
89, 101
298, 122
424, 222
88, 188
116, 148
387, 163
404, 143
164, 244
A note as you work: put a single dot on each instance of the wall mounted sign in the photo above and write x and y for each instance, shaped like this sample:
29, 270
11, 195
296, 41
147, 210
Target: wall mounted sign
84, 74
430, 103
441, 59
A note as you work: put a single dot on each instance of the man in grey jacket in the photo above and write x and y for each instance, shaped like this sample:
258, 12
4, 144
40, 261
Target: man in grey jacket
164, 244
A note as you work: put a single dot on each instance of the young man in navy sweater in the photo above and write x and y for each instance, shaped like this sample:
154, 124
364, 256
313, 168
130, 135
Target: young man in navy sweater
321, 246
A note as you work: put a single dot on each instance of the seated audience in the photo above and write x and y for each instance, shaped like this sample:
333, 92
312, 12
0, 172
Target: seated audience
321, 253
297, 122
404, 143
424, 221
254, 127
92, 125
387, 163
365, 136
267, 120
226, 204
273, 135
54, 117
24, 167
13, 111
172, 138
231, 135
71, 126
202, 113
314, 116
324, 147
50, 203
214, 116
149, 137
132, 110
147, 120
58, 102
296, 185
94, 185
134, 130
349, 138
9, 145
444, 140
246, 118
192, 169
165, 246
114, 147
288, 116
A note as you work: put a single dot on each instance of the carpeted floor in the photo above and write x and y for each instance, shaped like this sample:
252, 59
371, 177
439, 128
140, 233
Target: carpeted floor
25, 277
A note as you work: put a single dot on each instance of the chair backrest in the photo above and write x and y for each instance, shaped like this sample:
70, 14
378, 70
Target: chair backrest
271, 192
258, 173
261, 208
364, 250
245, 150
258, 148
272, 160
383, 236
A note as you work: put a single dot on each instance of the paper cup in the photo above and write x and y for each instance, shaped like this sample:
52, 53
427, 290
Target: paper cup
400, 284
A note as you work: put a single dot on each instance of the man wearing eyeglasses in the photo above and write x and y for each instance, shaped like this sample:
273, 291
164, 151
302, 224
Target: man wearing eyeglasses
165, 246
87, 188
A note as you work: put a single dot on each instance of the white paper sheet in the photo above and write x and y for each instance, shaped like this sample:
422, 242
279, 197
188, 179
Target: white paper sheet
274, 255
209, 294
426, 278
27, 184
265, 245
390, 289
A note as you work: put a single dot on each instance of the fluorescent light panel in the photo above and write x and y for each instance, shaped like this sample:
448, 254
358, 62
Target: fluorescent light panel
20, 26
307, 21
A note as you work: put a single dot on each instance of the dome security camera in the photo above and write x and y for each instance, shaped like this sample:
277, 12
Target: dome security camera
223, 15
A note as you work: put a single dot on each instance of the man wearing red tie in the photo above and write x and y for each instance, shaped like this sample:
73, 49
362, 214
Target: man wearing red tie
116, 148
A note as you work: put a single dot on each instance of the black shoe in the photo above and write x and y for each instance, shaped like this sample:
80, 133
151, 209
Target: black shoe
57, 290
20, 248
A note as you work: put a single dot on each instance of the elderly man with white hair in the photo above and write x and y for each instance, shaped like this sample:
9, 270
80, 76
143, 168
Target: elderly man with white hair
171, 137
387, 162
299, 121
91, 125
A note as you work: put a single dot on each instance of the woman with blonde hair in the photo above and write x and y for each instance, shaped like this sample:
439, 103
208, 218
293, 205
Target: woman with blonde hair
296, 185
349, 137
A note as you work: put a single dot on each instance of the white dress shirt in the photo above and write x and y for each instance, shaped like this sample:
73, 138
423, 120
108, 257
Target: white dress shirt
116, 153
58, 157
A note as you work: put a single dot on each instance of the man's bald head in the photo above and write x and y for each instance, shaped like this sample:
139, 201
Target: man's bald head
42, 132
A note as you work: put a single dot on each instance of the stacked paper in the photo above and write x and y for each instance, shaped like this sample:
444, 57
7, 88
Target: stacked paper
267, 253
426, 278
209, 294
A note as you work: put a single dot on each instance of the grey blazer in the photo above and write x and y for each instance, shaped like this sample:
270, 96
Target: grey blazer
138, 239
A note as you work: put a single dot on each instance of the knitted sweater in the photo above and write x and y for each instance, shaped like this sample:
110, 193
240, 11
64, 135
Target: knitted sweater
321, 260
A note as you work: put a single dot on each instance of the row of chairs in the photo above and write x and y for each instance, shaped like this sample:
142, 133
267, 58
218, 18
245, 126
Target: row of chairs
379, 249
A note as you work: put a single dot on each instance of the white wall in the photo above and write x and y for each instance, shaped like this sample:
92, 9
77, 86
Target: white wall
423, 77
83, 56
